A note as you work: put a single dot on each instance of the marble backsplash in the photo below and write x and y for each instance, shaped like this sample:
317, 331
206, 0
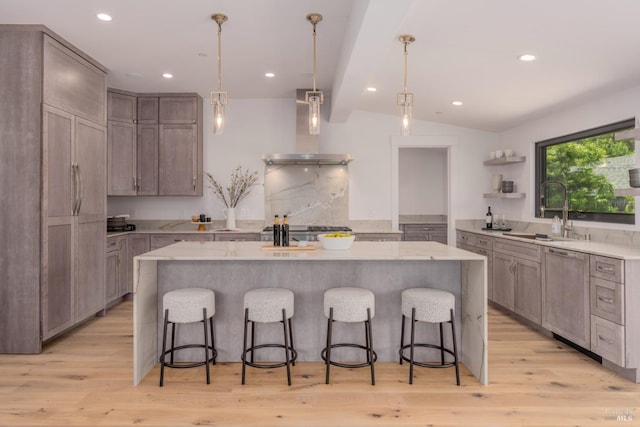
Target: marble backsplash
307, 194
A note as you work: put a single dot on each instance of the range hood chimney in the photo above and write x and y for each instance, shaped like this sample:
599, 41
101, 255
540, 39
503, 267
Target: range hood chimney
307, 149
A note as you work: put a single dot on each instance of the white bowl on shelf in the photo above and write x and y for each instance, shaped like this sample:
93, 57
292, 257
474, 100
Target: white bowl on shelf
335, 243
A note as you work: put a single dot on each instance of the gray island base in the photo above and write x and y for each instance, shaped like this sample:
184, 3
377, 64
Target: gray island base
386, 268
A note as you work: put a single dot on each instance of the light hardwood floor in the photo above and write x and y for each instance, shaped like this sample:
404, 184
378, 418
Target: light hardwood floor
85, 378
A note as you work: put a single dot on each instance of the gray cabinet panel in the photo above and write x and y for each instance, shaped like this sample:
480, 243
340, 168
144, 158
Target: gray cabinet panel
528, 291
91, 159
238, 237
122, 107
425, 232
112, 267
178, 160
565, 292
503, 280
58, 131
378, 237
85, 95
147, 160
161, 240
147, 110
121, 159
178, 110
90, 272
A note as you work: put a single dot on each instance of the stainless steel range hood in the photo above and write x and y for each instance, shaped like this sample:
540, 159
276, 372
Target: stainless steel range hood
307, 146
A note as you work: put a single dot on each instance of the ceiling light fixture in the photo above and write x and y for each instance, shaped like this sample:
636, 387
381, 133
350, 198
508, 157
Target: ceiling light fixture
527, 57
219, 98
104, 17
371, 89
405, 99
456, 103
315, 97
269, 75
167, 75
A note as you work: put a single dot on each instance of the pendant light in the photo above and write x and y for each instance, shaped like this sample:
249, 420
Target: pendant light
219, 98
315, 97
405, 99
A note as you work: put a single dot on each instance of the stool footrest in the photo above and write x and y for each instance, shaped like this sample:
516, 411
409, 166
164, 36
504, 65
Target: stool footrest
294, 356
323, 354
214, 353
425, 364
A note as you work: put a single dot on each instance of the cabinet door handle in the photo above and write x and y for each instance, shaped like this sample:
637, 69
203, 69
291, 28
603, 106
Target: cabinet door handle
601, 338
605, 268
194, 183
138, 183
79, 189
483, 242
565, 253
607, 300
135, 183
75, 188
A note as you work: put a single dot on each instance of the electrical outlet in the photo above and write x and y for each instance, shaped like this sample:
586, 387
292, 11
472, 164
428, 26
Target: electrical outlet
244, 213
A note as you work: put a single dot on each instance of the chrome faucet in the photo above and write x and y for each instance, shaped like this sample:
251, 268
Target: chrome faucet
566, 228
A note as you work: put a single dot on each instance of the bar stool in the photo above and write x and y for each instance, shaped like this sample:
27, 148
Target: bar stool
188, 305
432, 306
349, 305
268, 305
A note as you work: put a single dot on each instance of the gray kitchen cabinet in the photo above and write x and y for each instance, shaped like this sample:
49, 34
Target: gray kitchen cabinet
175, 110
148, 159
179, 170
565, 295
117, 268
148, 110
424, 232
481, 245
378, 237
161, 240
122, 107
238, 237
516, 278
53, 137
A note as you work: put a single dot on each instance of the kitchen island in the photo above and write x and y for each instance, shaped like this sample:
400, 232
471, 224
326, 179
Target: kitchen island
386, 268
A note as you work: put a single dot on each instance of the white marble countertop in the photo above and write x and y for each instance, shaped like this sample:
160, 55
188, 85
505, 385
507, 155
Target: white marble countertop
586, 246
358, 251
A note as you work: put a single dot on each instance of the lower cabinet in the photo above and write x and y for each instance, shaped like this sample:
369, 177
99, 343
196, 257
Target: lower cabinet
157, 241
118, 276
424, 232
237, 237
565, 293
378, 237
481, 245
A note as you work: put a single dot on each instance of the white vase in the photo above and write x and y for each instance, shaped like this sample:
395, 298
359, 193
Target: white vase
230, 215
497, 182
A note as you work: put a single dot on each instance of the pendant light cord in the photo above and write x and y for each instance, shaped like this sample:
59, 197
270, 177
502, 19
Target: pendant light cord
219, 56
406, 60
314, 57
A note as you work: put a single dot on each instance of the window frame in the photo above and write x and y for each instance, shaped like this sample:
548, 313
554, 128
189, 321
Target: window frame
541, 166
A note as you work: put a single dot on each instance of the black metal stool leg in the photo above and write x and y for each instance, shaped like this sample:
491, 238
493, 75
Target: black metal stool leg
370, 349
413, 340
402, 338
244, 344
253, 340
164, 346
455, 347
328, 361
366, 340
293, 361
173, 340
441, 344
213, 340
286, 345
206, 344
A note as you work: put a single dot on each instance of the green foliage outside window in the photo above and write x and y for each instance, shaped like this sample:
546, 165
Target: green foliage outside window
591, 168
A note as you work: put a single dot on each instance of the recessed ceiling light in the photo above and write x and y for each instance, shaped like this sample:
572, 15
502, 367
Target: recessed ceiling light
104, 17
371, 89
167, 75
456, 103
269, 75
527, 57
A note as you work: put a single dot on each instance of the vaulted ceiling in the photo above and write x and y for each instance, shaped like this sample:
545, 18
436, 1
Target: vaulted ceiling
465, 50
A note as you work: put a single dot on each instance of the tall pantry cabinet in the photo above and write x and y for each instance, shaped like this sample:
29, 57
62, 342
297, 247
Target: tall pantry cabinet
53, 178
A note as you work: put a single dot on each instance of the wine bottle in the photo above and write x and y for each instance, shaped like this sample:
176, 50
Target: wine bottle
489, 219
276, 231
285, 231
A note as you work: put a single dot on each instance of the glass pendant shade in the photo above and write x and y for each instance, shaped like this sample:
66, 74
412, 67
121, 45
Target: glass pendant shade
314, 115
405, 98
219, 97
406, 120
218, 117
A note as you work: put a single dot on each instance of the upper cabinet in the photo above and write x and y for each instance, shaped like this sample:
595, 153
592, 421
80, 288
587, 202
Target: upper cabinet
155, 144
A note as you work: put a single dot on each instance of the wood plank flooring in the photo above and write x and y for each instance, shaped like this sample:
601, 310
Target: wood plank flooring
85, 379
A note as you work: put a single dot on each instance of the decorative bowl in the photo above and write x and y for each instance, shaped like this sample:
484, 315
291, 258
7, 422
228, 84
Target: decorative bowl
336, 243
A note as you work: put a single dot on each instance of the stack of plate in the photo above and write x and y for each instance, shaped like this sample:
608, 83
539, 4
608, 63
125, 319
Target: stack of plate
634, 177
507, 186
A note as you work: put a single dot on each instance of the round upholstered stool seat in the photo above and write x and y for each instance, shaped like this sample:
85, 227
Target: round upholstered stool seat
431, 306
265, 305
268, 305
189, 305
349, 305
185, 305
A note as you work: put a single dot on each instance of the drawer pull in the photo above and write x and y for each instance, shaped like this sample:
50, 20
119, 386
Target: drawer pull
483, 242
608, 341
606, 269
563, 253
607, 300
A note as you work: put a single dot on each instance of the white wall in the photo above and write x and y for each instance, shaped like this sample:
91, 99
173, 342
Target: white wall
608, 109
422, 180
261, 126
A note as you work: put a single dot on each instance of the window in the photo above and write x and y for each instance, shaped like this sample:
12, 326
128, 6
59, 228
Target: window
591, 165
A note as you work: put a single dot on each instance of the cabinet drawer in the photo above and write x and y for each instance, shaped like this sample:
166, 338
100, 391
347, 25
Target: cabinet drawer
378, 237
607, 340
607, 268
162, 240
238, 237
529, 251
425, 228
475, 240
112, 244
607, 300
